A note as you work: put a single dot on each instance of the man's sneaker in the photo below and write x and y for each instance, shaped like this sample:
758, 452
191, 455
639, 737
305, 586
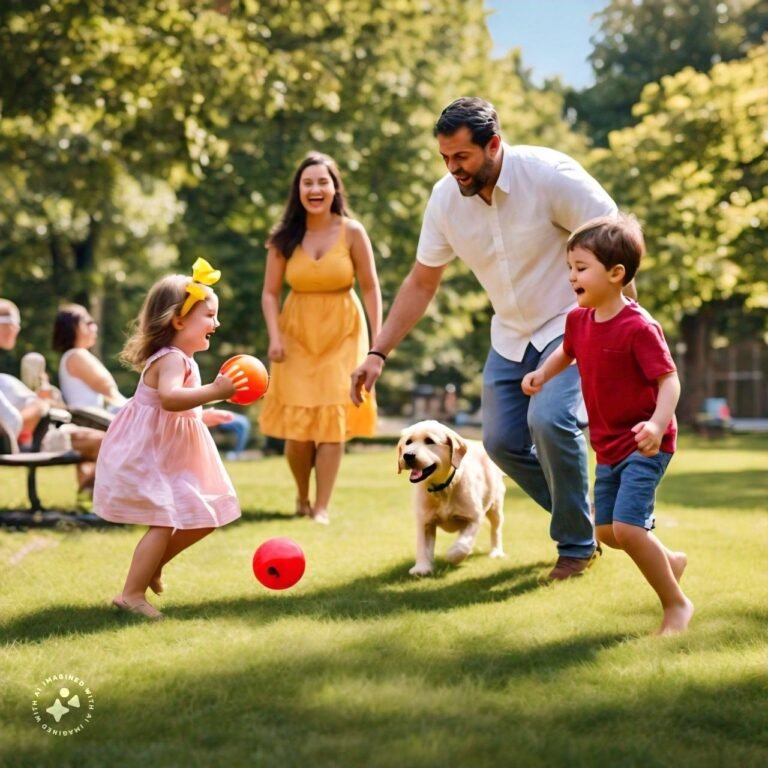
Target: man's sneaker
568, 567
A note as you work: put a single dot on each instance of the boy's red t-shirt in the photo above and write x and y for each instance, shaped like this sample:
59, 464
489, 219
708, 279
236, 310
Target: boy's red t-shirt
619, 362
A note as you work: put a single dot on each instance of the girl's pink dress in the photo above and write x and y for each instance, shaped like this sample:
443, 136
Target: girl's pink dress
162, 468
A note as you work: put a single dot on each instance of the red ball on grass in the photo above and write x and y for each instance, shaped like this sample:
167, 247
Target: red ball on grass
278, 563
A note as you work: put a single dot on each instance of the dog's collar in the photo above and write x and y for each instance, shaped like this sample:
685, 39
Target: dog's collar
443, 486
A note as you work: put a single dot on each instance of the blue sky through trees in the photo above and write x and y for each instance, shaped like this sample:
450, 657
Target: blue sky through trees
553, 35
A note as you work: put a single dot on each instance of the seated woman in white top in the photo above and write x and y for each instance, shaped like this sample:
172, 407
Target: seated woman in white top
83, 379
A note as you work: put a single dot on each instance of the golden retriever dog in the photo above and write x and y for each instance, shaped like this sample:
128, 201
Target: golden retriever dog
456, 486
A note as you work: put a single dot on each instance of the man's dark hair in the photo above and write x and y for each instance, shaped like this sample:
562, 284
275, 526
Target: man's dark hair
471, 112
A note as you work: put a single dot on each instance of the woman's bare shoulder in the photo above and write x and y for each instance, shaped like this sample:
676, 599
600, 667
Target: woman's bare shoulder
353, 225
355, 229
79, 358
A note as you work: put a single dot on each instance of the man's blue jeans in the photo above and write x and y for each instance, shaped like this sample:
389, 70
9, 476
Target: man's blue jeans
539, 443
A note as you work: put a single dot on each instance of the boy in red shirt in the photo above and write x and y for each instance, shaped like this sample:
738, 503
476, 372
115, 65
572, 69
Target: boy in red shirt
630, 389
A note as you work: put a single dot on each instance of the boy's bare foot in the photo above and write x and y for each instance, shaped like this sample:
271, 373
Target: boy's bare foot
678, 561
676, 619
156, 585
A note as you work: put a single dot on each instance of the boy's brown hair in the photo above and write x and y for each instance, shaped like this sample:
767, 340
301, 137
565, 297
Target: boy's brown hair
614, 240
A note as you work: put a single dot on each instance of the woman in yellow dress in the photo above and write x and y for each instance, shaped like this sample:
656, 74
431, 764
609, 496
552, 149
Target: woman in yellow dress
320, 335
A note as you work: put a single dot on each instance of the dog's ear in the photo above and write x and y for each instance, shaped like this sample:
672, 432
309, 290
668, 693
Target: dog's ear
400, 449
458, 447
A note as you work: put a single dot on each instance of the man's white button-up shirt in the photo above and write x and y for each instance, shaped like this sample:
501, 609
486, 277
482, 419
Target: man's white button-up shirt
516, 245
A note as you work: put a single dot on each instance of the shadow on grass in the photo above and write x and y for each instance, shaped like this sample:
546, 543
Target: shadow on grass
344, 708
254, 515
392, 592
68, 521
745, 489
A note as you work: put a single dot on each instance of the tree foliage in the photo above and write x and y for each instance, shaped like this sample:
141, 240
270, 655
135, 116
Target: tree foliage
640, 42
694, 169
135, 137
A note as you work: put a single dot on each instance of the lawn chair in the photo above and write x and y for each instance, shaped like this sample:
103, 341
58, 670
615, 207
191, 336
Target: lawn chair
96, 418
714, 419
11, 456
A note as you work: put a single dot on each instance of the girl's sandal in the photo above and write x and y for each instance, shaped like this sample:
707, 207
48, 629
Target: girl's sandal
142, 608
321, 518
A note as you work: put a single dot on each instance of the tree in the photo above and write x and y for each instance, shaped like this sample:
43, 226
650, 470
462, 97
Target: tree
362, 81
134, 138
107, 111
640, 42
694, 170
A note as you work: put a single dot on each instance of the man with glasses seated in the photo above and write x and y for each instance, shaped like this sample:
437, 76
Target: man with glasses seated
20, 408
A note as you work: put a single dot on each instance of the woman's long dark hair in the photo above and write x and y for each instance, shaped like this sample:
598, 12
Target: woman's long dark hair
290, 231
65, 326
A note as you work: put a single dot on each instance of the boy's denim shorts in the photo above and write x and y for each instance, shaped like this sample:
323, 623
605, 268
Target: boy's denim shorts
626, 492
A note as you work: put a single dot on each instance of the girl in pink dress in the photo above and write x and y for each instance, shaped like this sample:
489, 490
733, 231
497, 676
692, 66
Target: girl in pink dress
158, 465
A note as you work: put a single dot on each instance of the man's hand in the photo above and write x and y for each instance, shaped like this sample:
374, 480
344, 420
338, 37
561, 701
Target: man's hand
365, 375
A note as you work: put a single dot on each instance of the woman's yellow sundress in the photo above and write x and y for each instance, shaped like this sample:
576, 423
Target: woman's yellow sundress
325, 338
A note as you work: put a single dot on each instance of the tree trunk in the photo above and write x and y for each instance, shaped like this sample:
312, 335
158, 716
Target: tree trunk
695, 331
88, 286
59, 271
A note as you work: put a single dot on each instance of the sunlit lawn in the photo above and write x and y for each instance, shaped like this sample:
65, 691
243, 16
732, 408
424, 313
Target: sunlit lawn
361, 665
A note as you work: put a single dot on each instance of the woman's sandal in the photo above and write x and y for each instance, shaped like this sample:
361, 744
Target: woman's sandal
142, 608
321, 518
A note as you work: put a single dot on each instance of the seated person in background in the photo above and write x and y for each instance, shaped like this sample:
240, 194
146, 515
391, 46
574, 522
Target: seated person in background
20, 408
240, 426
84, 380
35, 376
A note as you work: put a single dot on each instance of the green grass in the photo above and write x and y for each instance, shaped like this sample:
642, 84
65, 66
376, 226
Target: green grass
362, 665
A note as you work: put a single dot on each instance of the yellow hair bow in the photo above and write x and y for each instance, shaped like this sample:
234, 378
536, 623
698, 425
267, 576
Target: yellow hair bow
202, 274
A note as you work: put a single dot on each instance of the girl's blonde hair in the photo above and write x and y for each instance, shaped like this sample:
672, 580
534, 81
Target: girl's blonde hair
153, 328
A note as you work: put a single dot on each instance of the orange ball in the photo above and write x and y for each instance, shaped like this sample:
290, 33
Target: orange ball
249, 376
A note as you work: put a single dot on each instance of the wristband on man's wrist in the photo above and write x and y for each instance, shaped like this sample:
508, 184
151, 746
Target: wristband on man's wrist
377, 353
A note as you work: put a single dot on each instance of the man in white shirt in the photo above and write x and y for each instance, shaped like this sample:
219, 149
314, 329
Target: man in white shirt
507, 212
